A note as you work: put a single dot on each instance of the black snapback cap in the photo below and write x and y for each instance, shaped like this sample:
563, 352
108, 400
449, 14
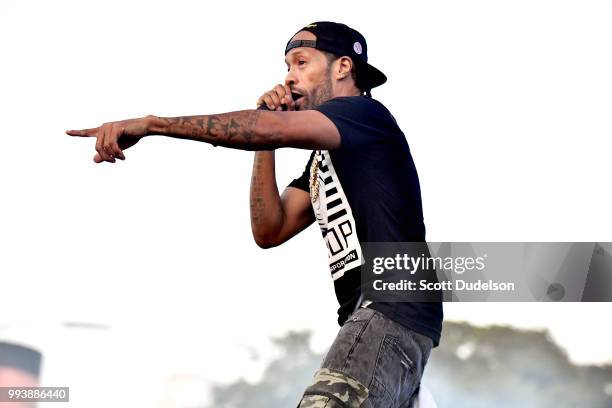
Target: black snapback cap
342, 40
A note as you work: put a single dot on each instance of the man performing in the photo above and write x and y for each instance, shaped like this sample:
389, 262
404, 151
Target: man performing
360, 185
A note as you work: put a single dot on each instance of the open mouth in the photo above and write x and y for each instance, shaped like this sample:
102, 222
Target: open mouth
296, 99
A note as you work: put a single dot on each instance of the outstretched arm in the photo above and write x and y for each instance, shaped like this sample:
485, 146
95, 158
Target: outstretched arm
253, 129
246, 130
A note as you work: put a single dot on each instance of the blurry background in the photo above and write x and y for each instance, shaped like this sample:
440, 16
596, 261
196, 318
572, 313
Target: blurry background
139, 282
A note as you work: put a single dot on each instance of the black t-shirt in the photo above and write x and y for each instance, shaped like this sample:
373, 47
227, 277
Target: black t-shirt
368, 192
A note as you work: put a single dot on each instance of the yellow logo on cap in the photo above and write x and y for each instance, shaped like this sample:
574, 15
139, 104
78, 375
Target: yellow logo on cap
310, 26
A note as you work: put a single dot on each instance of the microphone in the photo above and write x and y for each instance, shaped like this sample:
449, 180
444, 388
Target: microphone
264, 107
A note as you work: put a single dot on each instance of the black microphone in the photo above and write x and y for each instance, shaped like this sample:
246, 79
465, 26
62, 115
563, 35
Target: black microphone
264, 107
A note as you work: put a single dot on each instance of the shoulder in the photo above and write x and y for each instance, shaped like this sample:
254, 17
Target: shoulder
361, 109
361, 121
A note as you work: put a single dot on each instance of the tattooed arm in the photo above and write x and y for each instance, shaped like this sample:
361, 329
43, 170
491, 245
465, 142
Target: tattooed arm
275, 219
240, 130
246, 130
253, 129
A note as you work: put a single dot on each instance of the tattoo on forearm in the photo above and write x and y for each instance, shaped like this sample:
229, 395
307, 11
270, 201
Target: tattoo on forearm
258, 204
236, 129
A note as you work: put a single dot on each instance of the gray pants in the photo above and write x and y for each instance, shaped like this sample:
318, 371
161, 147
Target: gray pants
374, 362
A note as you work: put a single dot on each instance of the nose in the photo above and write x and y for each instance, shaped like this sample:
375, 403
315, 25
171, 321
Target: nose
290, 79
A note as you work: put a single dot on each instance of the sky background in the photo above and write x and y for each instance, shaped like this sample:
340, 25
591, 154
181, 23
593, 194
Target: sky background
505, 105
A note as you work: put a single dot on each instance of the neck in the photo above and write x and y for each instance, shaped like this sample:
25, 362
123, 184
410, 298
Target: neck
348, 90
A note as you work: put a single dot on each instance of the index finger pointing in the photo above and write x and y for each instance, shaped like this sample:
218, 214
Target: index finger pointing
83, 132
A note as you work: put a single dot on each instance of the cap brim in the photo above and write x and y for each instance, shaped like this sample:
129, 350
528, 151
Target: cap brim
370, 77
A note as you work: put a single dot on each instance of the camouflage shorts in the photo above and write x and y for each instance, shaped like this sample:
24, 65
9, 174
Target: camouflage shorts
374, 362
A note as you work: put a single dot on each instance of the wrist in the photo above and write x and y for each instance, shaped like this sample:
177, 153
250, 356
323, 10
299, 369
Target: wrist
154, 125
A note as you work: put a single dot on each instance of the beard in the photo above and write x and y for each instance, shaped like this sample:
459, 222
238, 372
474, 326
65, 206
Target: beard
320, 94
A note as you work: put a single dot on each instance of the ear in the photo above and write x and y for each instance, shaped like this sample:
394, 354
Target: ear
344, 66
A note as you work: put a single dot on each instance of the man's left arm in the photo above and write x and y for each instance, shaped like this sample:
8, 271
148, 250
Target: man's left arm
245, 130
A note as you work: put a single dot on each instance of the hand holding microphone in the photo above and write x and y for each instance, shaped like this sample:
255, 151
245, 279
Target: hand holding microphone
278, 99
